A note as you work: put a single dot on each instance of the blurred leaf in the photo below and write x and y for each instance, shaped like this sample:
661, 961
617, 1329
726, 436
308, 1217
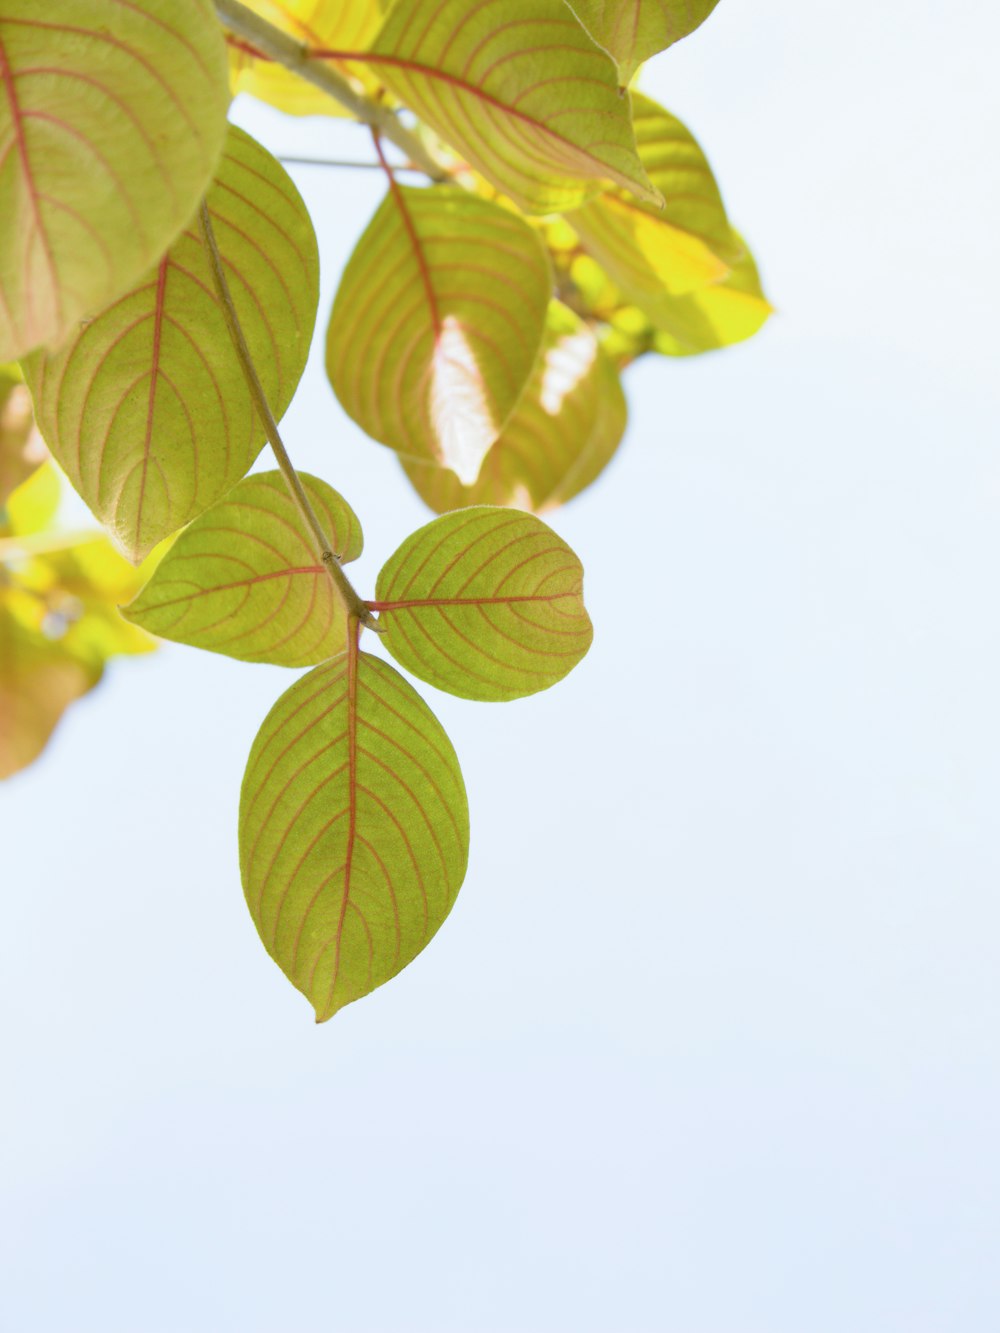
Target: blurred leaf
21, 447
561, 436
634, 30
32, 506
730, 312
146, 408
436, 324
244, 579
520, 90
38, 682
354, 829
484, 603
320, 24
662, 253
111, 129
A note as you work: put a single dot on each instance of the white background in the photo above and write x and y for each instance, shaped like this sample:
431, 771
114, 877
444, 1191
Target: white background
709, 1043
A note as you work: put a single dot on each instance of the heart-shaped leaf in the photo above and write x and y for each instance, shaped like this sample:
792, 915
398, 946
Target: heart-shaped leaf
244, 579
316, 24
561, 436
662, 253
147, 409
484, 603
436, 324
354, 829
112, 118
634, 30
520, 90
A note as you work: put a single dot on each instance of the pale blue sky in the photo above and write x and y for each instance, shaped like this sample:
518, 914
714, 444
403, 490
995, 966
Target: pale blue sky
709, 1043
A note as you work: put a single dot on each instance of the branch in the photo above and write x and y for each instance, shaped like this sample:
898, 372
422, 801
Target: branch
275, 44
356, 608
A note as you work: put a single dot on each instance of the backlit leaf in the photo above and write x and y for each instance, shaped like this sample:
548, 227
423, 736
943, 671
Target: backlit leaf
655, 253
21, 447
436, 324
520, 90
561, 436
38, 681
244, 579
634, 30
485, 603
33, 504
146, 409
112, 118
317, 24
718, 316
354, 829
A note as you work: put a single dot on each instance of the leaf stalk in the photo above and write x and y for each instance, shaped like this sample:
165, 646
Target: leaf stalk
356, 607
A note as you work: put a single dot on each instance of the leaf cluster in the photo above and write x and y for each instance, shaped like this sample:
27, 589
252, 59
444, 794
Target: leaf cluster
159, 290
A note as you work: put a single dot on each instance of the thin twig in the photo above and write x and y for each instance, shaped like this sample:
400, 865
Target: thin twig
340, 162
355, 605
277, 45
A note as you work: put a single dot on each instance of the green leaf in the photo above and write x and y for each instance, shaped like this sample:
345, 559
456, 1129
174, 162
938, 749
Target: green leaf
634, 30
147, 409
484, 603
112, 118
354, 829
437, 323
520, 90
21, 448
730, 312
561, 436
320, 24
38, 682
657, 254
245, 580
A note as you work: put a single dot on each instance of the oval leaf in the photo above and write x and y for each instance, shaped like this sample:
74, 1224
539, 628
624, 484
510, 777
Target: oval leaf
112, 118
485, 603
354, 829
244, 578
520, 90
656, 253
436, 324
147, 409
634, 30
561, 436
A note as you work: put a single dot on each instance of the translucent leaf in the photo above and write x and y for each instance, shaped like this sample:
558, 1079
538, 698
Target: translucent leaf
718, 316
702, 321
661, 253
58, 625
436, 324
317, 24
354, 829
520, 90
32, 506
112, 118
38, 682
634, 30
562, 434
484, 603
147, 409
21, 447
244, 579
